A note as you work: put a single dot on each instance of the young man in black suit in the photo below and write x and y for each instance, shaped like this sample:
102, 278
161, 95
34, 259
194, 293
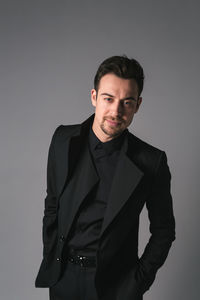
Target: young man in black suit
99, 177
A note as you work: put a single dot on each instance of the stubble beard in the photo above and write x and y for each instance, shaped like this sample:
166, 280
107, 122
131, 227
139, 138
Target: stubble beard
112, 131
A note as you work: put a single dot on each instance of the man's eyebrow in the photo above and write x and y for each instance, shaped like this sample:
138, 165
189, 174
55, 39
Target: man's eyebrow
127, 98
106, 94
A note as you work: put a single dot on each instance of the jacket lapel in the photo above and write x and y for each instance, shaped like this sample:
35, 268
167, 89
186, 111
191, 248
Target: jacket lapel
78, 187
69, 151
127, 177
79, 178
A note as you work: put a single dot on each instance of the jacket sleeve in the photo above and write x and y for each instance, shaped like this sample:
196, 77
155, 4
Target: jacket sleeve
49, 229
162, 226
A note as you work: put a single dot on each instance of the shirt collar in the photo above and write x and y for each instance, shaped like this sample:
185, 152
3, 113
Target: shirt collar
110, 146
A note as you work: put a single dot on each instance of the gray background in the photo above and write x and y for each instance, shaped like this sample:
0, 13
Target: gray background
50, 51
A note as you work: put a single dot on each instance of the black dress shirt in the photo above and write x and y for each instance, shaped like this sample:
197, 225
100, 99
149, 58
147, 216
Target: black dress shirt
88, 222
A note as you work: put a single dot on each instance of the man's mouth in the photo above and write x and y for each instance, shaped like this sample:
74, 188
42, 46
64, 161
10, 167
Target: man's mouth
113, 123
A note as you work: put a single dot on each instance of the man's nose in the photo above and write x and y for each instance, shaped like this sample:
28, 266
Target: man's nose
117, 109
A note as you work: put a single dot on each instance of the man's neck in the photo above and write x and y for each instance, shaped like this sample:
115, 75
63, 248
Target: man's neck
102, 136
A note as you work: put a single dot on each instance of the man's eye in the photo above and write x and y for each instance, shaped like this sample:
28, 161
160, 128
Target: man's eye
127, 103
108, 99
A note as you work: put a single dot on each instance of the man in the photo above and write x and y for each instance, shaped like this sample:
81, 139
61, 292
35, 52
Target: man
99, 176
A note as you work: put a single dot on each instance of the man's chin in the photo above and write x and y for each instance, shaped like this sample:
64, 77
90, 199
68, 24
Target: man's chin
112, 132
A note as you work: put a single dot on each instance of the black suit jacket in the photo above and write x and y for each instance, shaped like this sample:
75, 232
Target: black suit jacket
142, 177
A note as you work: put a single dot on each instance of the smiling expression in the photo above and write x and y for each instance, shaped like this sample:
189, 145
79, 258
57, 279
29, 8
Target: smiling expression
115, 102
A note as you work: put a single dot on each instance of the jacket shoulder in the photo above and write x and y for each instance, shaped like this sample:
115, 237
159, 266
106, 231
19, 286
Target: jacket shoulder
144, 146
63, 132
146, 156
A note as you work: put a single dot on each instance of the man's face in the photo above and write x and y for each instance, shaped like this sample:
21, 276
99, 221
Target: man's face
116, 103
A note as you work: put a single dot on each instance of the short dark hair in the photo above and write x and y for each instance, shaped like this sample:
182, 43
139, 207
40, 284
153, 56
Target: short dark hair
122, 67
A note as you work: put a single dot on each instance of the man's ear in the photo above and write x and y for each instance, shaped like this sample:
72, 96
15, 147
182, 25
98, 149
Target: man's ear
94, 97
139, 101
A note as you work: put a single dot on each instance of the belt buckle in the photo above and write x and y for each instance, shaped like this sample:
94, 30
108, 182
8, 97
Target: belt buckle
81, 260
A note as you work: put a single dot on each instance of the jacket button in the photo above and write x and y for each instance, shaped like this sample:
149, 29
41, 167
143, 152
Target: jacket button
62, 238
58, 259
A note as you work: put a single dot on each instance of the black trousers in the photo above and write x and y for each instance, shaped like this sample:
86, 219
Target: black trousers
76, 283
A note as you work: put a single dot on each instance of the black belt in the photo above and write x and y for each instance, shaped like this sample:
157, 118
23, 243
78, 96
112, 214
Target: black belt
81, 260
